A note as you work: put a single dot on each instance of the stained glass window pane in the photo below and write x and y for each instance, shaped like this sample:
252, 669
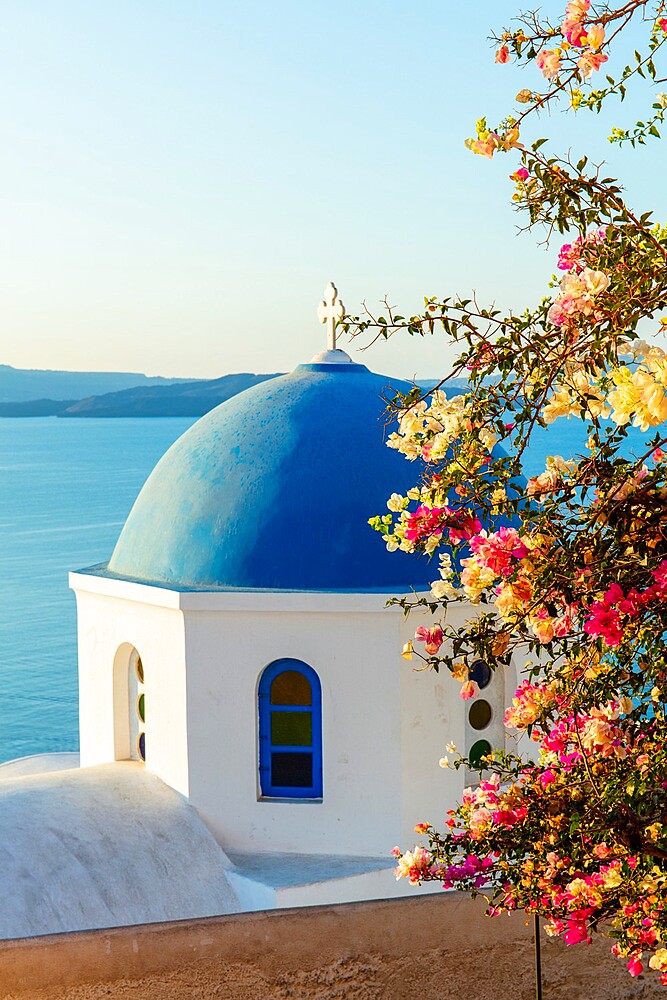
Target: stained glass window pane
291, 770
291, 688
481, 673
477, 751
291, 729
479, 715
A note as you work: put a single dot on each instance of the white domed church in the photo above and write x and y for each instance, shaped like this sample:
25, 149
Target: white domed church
250, 736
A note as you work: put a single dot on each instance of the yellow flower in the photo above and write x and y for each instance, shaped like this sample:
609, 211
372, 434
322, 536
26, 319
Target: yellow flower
407, 651
460, 671
595, 36
639, 397
658, 960
612, 878
560, 404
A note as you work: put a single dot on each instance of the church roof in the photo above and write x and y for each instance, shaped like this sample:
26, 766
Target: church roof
273, 490
104, 846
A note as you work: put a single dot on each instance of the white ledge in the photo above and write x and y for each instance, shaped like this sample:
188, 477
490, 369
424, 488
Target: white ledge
233, 600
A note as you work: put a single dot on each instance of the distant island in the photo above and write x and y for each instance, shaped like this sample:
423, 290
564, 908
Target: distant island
118, 394
186, 399
28, 384
35, 393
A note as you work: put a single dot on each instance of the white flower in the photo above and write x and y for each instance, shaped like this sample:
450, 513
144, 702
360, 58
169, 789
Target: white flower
564, 466
396, 502
487, 437
451, 747
662, 101
595, 281
443, 588
444, 762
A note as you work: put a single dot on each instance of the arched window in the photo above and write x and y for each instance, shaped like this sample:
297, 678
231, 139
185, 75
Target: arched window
290, 731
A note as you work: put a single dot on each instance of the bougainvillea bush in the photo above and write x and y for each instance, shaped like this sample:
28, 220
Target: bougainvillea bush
570, 567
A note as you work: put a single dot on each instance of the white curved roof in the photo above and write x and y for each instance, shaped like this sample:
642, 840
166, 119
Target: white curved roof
104, 846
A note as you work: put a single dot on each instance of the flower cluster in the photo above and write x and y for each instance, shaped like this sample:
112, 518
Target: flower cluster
566, 568
558, 472
612, 615
414, 865
428, 430
488, 142
577, 296
572, 256
640, 395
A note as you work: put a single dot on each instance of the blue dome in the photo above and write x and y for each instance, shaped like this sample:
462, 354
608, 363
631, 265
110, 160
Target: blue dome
273, 490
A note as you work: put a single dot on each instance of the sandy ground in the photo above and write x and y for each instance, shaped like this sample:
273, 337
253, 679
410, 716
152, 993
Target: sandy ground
491, 973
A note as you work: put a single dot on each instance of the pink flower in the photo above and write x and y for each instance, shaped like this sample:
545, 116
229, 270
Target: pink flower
425, 521
658, 455
635, 967
576, 932
503, 54
568, 256
660, 575
591, 61
433, 637
485, 147
468, 690
519, 175
509, 817
662, 23
572, 27
632, 604
467, 527
557, 315
548, 61
498, 550
605, 622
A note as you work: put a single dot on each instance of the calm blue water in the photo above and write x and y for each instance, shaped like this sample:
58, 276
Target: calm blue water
66, 487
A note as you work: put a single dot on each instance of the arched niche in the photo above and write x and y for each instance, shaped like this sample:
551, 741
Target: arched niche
129, 704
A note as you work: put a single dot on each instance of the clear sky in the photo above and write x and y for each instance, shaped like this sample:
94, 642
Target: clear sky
179, 180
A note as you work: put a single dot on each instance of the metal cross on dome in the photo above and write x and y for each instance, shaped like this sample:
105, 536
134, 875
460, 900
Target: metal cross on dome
330, 311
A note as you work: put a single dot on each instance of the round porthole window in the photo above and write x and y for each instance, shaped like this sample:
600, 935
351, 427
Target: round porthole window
478, 750
481, 673
141, 746
480, 714
139, 667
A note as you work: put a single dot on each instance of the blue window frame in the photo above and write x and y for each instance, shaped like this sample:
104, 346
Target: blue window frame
290, 731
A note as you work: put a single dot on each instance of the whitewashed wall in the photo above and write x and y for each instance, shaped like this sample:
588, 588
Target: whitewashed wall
385, 725
110, 623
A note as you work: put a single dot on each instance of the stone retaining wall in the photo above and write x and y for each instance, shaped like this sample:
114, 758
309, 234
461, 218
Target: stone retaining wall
429, 948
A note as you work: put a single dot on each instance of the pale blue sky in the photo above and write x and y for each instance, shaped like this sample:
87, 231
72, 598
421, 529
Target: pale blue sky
179, 180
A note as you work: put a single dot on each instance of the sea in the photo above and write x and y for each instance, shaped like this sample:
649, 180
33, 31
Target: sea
66, 487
